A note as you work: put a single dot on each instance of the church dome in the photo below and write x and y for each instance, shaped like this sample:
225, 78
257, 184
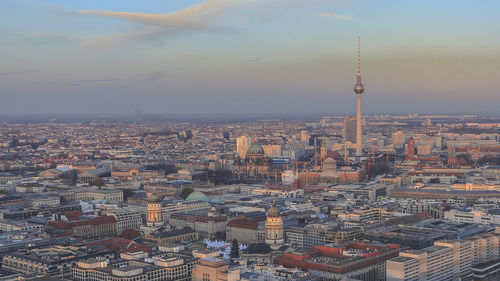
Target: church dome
255, 149
154, 198
198, 196
330, 161
273, 212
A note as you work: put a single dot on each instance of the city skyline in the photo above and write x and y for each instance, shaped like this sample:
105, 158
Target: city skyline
226, 56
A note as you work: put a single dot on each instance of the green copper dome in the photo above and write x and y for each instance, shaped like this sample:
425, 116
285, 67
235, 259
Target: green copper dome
255, 149
197, 196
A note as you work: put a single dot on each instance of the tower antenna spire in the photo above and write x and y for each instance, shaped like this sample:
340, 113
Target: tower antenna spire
359, 55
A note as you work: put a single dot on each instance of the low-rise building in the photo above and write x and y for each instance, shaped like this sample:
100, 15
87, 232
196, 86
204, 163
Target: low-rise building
161, 267
214, 269
472, 216
206, 224
125, 219
93, 227
242, 229
160, 238
360, 261
56, 260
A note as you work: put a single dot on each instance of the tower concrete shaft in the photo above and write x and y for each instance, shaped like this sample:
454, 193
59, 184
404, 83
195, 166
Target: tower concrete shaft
359, 141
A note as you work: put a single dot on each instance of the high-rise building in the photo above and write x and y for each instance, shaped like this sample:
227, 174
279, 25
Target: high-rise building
398, 140
410, 148
242, 144
304, 137
349, 131
359, 89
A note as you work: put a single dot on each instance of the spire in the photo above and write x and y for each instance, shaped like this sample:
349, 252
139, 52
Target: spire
359, 55
358, 77
358, 88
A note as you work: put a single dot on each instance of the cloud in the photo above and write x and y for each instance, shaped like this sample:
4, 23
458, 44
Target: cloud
188, 18
336, 16
159, 26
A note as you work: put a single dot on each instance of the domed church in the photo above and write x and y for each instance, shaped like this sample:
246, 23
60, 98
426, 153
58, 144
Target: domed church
255, 166
274, 228
154, 214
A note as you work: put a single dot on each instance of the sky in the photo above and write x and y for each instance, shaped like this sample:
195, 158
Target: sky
248, 56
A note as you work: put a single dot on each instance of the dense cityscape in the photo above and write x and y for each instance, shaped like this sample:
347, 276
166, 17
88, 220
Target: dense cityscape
216, 141
252, 200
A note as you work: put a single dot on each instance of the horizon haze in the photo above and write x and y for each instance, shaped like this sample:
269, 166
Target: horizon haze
247, 56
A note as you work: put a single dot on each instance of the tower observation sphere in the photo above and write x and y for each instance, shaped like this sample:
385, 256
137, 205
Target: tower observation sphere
358, 88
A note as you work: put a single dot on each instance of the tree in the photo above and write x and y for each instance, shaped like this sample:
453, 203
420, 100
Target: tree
235, 250
186, 191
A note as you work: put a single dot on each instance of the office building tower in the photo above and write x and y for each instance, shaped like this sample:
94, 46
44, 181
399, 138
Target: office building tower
242, 144
410, 148
304, 137
398, 140
349, 131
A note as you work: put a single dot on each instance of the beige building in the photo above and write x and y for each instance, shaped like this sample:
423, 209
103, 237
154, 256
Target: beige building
242, 229
272, 150
214, 269
207, 225
170, 236
95, 227
154, 269
446, 260
39, 201
89, 194
125, 219
18, 225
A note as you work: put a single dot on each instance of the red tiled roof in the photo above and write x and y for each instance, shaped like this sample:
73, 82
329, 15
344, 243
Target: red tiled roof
130, 234
119, 245
243, 223
409, 219
73, 215
62, 225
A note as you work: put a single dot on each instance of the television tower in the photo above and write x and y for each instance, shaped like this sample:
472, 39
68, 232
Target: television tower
359, 89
